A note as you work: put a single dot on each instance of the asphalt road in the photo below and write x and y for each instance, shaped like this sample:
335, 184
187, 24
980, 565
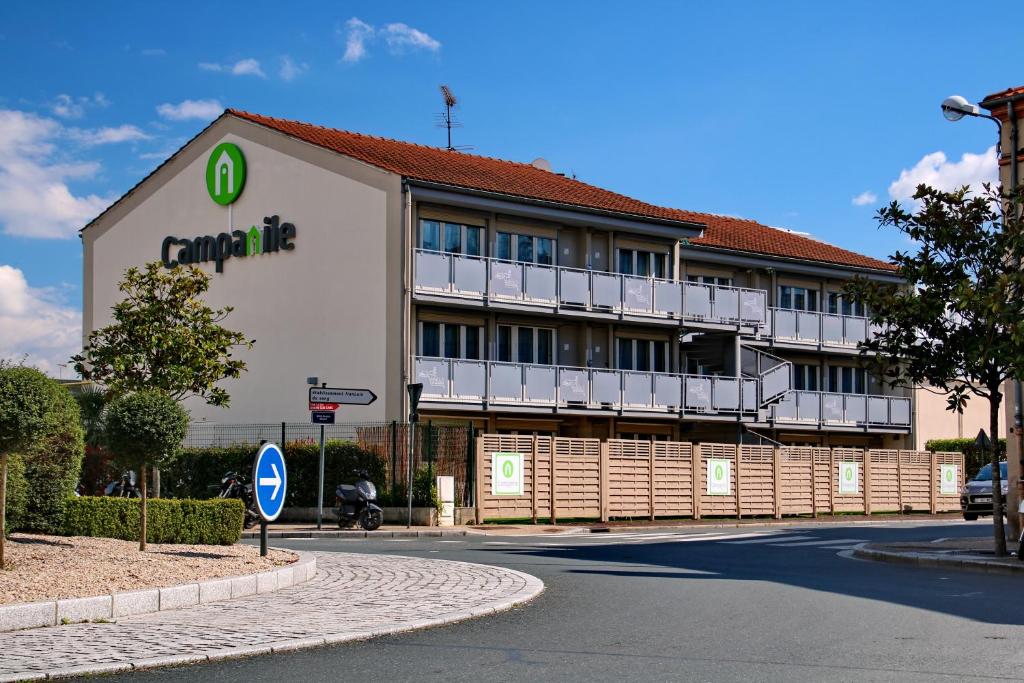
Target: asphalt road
702, 605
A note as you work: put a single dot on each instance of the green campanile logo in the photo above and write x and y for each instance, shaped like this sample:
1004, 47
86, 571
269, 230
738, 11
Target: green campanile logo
225, 173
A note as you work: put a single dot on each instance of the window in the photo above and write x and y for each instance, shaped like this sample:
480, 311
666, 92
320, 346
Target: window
805, 377
847, 380
798, 298
451, 340
642, 354
520, 344
841, 304
641, 436
526, 248
643, 263
453, 238
710, 280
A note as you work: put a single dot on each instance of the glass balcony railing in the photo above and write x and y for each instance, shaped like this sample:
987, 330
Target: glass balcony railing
520, 384
821, 408
817, 329
530, 284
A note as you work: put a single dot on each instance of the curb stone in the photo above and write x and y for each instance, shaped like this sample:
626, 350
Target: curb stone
342, 533
129, 603
864, 551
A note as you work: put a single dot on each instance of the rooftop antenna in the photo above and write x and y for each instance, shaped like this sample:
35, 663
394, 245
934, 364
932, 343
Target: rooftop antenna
446, 120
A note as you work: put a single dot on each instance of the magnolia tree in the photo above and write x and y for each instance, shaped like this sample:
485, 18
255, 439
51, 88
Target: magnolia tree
958, 326
143, 430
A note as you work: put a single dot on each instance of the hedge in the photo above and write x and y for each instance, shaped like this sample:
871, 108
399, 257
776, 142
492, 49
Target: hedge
203, 522
196, 472
974, 457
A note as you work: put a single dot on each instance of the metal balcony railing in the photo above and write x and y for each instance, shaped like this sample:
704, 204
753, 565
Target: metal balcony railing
822, 408
817, 329
518, 384
529, 284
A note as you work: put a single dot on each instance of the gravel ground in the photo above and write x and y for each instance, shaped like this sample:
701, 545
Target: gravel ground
55, 567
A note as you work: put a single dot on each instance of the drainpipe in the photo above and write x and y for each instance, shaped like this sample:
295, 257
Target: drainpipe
407, 247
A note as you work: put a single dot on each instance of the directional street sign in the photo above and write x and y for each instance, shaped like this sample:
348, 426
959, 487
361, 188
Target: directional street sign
352, 397
271, 482
322, 417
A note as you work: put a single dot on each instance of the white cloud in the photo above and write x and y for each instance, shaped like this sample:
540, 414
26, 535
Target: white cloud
937, 171
190, 109
68, 107
398, 37
108, 135
243, 67
37, 323
290, 69
35, 200
865, 198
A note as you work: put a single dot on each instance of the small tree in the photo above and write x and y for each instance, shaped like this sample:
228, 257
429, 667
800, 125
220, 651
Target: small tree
25, 394
959, 325
143, 430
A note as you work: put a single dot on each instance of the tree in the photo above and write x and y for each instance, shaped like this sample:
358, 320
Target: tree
25, 394
145, 429
958, 325
164, 337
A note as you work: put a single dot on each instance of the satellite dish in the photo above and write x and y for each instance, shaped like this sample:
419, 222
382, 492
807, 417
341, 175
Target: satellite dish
956, 107
543, 164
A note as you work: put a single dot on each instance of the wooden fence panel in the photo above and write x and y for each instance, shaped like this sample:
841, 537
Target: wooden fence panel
848, 502
948, 502
716, 505
824, 471
756, 479
797, 483
577, 477
629, 478
883, 470
673, 479
916, 480
490, 506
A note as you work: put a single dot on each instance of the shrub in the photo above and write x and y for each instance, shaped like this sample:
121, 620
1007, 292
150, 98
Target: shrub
204, 522
974, 457
196, 472
17, 493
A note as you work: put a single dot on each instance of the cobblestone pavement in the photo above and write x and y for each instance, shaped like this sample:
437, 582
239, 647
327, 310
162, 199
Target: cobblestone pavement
352, 597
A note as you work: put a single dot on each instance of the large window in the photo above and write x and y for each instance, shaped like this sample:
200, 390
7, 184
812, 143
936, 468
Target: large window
521, 344
453, 238
451, 340
513, 247
847, 380
798, 298
642, 354
805, 377
644, 263
841, 304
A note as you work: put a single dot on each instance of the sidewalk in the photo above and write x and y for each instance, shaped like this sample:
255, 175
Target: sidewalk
973, 554
353, 597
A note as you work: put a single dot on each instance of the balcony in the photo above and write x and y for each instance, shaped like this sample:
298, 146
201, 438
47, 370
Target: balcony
816, 330
480, 384
519, 285
823, 409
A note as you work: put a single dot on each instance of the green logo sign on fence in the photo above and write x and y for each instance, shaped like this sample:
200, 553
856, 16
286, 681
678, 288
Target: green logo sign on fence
949, 478
507, 474
719, 477
849, 477
225, 173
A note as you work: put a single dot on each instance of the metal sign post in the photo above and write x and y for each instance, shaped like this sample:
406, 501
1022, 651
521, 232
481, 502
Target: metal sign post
269, 487
320, 479
415, 391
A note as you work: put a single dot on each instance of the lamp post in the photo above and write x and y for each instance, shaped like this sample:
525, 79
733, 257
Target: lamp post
955, 108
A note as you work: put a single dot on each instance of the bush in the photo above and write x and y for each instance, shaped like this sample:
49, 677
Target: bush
203, 522
145, 429
196, 472
974, 457
17, 493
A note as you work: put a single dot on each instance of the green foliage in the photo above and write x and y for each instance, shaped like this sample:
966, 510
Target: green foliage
196, 472
25, 396
207, 522
974, 457
145, 428
164, 336
17, 493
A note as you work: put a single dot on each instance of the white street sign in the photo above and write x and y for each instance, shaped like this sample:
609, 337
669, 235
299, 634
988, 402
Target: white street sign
950, 477
719, 475
354, 397
507, 474
849, 477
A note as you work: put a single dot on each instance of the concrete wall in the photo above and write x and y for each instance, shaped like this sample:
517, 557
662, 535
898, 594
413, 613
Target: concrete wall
933, 421
331, 307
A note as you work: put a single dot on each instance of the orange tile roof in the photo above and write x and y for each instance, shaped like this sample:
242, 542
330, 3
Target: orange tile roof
470, 171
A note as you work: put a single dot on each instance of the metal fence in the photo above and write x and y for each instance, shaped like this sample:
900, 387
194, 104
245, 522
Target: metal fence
440, 449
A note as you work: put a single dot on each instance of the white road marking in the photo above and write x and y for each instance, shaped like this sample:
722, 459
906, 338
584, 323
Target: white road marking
772, 539
832, 541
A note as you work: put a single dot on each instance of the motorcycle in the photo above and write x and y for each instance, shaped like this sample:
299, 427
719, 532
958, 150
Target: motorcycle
233, 485
358, 502
124, 487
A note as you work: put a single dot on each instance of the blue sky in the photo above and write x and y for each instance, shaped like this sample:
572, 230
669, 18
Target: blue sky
781, 112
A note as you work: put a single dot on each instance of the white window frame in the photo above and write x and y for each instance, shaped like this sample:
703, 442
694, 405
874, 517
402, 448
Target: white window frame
441, 337
463, 236
634, 342
806, 291
712, 280
514, 238
652, 256
514, 343
858, 309
854, 372
807, 370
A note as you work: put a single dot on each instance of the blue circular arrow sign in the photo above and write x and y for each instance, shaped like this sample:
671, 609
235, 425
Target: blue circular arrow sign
269, 482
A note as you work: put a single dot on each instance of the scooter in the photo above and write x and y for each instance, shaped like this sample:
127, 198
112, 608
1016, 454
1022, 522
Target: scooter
358, 502
234, 485
123, 487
